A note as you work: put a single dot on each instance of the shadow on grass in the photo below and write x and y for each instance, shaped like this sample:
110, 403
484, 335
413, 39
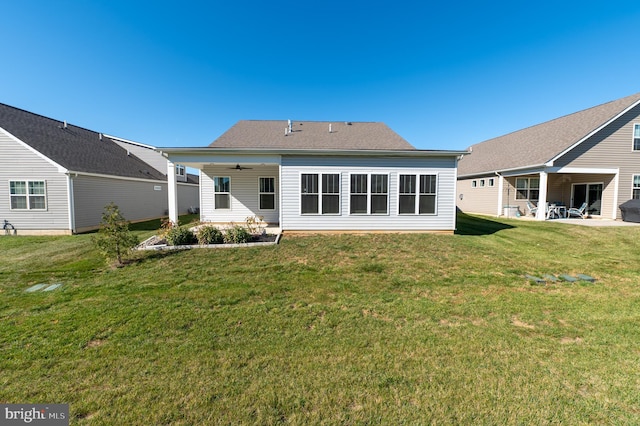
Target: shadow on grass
475, 225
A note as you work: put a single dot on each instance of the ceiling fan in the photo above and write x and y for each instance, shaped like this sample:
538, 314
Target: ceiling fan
239, 167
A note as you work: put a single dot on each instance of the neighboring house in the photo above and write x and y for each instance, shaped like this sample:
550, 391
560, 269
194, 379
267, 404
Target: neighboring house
56, 178
591, 156
321, 176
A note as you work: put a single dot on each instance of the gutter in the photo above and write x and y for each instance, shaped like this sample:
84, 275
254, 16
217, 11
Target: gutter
334, 152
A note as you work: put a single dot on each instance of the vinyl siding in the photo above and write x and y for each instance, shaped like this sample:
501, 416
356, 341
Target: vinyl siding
294, 166
611, 147
244, 194
188, 196
483, 200
18, 162
137, 200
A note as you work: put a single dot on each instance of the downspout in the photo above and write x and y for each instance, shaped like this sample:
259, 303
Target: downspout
280, 209
71, 203
500, 192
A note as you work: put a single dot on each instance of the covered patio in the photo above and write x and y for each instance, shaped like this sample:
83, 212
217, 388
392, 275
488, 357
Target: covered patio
562, 188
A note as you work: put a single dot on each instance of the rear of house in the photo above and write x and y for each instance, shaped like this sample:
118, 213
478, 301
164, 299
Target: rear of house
56, 178
321, 176
592, 157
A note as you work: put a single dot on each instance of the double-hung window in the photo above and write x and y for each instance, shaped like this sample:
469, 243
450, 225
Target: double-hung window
28, 195
312, 186
221, 192
267, 193
417, 194
636, 187
180, 170
636, 137
527, 188
369, 194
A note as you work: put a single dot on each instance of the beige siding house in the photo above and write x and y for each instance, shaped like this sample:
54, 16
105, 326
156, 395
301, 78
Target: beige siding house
56, 178
321, 176
591, 156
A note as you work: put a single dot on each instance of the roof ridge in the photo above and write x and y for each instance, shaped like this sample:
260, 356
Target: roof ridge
637, 95
50, 118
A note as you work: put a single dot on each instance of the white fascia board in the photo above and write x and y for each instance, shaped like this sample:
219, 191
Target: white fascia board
208, 151
60, 168
595, 131
74, 173
129, 141
584, 170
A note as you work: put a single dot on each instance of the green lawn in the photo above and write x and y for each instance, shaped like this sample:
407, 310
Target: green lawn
353, 329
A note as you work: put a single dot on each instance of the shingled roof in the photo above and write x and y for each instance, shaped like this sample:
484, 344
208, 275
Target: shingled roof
72, 147
312, 135
541, 143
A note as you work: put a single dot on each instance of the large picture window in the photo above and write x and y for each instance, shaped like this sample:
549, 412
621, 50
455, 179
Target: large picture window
417, 194
312, 186
527, 188
221, 192
267, 193
28, 195
369, 194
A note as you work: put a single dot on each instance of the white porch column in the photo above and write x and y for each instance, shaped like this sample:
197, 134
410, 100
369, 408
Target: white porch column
616, 182
542, 198
172, 191
500, 195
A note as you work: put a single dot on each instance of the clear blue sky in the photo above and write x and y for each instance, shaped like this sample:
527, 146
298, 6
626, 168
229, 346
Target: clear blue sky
444, 75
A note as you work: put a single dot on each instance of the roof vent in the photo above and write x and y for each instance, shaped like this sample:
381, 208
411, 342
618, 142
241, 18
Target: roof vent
286, 131
329, 127
64, 124
100, 136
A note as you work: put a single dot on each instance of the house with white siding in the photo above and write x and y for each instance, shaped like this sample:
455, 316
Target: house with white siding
591, 156
56, 178
322, 176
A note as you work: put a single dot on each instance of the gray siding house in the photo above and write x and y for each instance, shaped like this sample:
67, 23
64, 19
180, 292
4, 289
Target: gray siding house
322, 176
56, 178
591, 156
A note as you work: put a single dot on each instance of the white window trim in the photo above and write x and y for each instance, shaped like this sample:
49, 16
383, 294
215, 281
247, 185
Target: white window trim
474, 183
491, 182
213, 181
181, 170
633, 137
416, 210
633, 188
26, 181
369, 194
319, 193
275, 197
529, 189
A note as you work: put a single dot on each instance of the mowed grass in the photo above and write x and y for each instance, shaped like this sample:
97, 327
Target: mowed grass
341, 329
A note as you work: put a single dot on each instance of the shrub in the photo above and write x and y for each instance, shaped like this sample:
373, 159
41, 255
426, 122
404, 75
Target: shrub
177, 236
209, 235
114, 240
237, 235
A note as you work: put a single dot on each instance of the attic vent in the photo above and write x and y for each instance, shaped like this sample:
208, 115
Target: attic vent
348, 123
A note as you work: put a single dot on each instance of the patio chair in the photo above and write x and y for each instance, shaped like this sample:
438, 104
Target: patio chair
577, 212
531, 208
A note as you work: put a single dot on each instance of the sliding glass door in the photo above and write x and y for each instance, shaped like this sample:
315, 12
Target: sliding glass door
591, 193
